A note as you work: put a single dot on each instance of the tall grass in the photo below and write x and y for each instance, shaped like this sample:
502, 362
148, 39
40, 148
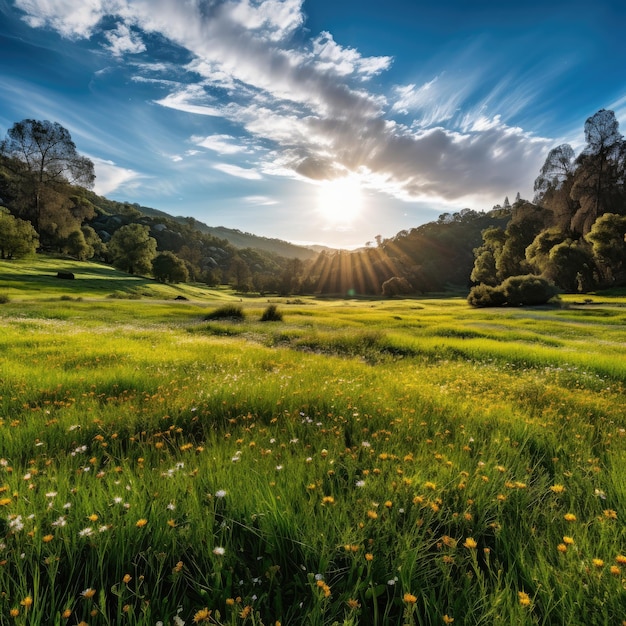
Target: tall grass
361, 463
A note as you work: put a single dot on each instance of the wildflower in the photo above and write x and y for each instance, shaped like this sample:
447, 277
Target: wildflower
202, 615
66, 614
245, 612
568, 540
562, 548
569, 517
328, 500
93, 517
219, 551
140, 523
85, 532
369, 556
557, 488
220, 493
621, 559
88, 593
27, 602
230, 601
178, 567
599, 563
353, 604
409, 598
447, 620
372, 514
610, 514
14, 612
47, 538
615, 571
127, 578
360, 483
388, 504
5, 501
524, 598
429, 485
470, 543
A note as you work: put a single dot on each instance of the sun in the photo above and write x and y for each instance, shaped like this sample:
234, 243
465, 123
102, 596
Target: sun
340, 201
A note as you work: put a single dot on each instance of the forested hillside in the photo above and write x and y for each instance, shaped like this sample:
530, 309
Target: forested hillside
571, 236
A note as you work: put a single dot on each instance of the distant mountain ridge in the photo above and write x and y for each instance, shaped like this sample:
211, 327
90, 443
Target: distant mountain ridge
240, 239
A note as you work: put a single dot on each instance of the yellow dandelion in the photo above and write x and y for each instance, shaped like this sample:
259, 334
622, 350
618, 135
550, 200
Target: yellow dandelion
372, 515
599, 563
140, 523
27, 602
569, 517
615, 571
568, 540
230, 601
409, 598
429, 485
369, 556
66, 614
328, 500
557, 488
5, 501
447, 619
353, 604
88, 593
562, 548
621, 559
93, 517
388, 504
47, 538
610, 514
524, 598
203, 615
14, 612
127, 578
470, 543
245, 612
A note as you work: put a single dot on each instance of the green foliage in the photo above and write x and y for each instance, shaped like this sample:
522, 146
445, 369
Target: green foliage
132, 249
4, 298
18, 238
167, 267
526, 290
226, 311
271, 314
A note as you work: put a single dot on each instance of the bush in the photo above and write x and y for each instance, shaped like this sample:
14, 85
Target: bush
486, 295
396, 286
4, 298
526, 290
228, 311
272, 314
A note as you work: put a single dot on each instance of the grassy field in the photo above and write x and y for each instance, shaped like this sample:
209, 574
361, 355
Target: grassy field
359, 462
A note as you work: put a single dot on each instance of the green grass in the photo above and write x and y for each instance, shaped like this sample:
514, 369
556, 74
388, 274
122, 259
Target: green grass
328, 469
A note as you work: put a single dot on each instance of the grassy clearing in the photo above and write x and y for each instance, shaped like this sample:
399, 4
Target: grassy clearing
392, 462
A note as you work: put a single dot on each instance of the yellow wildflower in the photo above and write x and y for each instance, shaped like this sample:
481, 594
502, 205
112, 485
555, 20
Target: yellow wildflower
470, 543
409, 598
140, 523
524, 598
202, 615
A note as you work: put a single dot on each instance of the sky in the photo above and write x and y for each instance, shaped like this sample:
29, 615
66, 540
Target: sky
314, 121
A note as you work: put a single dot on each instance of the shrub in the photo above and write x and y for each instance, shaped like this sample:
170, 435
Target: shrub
272, 314
514, 291
4, 298
228, 311
527, 290
485, 295
397, 286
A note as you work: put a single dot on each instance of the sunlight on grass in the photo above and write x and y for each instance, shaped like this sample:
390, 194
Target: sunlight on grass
365, 462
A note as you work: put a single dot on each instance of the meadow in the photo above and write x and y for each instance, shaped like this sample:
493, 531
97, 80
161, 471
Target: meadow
373, 462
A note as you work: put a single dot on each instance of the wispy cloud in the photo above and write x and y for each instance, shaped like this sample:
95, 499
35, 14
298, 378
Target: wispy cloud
307, 106
239, 172
111, 177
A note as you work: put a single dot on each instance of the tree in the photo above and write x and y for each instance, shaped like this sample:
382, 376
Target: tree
598, 170
486, 257
240, 274
132, 249
43, 158
608, 240
397, 286
76, 245
17, 237
167, 267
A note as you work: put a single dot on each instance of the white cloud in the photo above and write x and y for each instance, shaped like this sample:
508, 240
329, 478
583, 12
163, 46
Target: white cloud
221, 144
306, 104
111, 178
260, 200
122, 41
239, 172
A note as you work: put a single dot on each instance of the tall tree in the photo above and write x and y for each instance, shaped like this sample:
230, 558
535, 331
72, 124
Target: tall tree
598, 170
44, 159
132, 249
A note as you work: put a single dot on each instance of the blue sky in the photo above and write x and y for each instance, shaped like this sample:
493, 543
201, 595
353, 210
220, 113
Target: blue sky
319, 121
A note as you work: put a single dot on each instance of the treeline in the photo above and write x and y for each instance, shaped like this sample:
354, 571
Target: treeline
573, 235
